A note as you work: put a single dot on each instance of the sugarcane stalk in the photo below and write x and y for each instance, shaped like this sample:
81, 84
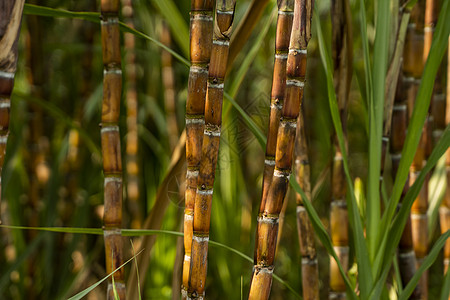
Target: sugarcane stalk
210, 146
310, 269
284, 26
132, 141
201, 34
10, 22
110, 137
268, 224
283, 31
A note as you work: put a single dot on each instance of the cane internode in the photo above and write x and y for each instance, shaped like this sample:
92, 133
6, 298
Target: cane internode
111, 148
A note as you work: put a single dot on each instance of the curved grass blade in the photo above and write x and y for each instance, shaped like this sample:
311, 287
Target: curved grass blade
436, 187
376, 114
362, 255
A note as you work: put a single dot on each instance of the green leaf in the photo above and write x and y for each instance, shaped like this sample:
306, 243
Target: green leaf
376, 115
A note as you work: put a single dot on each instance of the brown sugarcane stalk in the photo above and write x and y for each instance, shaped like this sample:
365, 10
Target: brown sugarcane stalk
444, 210
201, 28
283, 34
310, 269
268, 225
412, 68
210, 146
284, 26
168, 79
132, 141
10, 21
406, 254
112, 161
342, 57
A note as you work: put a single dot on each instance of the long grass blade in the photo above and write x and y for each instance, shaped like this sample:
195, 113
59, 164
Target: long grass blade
376, 109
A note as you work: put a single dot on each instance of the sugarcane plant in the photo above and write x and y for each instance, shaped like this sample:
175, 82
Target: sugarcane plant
284, 27
374, 233
111, 151
267, 229
201, 27
210, 146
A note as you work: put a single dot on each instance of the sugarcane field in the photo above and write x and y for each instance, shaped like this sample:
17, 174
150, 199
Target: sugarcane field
229, 149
